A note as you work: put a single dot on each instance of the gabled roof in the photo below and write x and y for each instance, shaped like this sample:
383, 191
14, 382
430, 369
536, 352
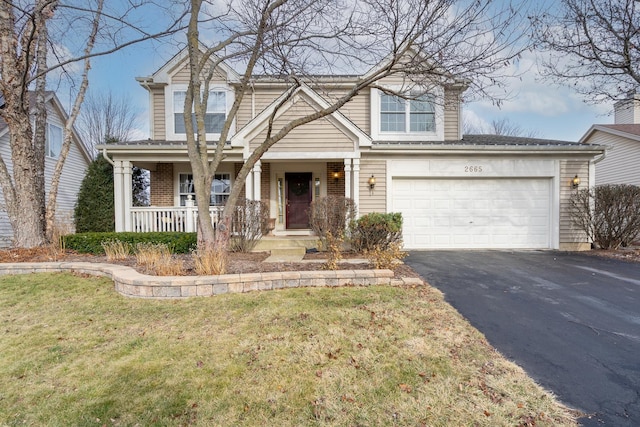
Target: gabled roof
162, 74
339, 119
630, 131
51, 96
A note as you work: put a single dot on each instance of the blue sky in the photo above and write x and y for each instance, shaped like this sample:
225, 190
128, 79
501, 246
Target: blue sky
553, 112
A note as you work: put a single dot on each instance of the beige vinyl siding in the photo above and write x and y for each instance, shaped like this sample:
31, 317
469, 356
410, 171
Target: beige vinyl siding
319, 135
358, 110
570, 236
376, 200
159, 121
452, 114
255, 102
620, 166
182, 75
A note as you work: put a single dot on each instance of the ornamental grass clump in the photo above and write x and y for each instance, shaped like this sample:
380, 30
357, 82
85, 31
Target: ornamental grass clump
157, 259
116, 250
210, 261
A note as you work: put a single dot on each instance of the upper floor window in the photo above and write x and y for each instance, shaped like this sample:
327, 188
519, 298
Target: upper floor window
398, 114
214, 117
53, 141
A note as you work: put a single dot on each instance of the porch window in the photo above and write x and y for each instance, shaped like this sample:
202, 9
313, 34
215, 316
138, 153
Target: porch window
53, 141
220, 189
214, 117
398, 114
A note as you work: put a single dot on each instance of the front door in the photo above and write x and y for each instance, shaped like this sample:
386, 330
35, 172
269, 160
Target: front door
298, 199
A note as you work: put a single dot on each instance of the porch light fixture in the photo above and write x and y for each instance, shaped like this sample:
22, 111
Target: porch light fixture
336, 175
575, 182
372, 182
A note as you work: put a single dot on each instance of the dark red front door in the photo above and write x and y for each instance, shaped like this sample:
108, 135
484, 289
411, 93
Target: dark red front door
298, 199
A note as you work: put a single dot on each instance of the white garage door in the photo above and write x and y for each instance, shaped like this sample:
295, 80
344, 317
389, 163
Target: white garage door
474, 213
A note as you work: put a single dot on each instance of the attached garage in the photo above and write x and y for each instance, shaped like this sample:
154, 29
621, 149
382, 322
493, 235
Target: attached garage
474, 213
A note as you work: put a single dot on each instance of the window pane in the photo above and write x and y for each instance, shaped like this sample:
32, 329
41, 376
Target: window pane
213, 122
220, 189
390, 103
217, 102
53, 141
392, 122
422, 122
178, 101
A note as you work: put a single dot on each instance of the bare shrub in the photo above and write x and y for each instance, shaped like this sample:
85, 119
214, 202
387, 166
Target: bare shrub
376, 231
250, 222
330, 215
386, 258
209, 262
608, 214
116, 249
334, 254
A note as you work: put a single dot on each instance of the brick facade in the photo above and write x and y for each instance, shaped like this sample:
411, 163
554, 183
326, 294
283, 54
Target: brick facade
335, 187
265, 188
161, 185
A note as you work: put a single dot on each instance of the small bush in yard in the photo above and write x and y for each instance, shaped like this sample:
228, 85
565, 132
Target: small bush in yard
334, 244
608, 214
330, 215
250, 222
376, 231
386, 258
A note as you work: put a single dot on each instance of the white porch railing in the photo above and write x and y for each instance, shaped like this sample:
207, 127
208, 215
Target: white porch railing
171, 218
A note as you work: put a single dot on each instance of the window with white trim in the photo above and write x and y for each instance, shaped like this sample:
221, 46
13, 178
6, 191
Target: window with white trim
53, 141
214, 117
397, 115
220, 189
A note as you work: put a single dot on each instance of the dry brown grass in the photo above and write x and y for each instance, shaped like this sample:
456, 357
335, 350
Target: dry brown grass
76, 353
209, 262
157, 259
116, 250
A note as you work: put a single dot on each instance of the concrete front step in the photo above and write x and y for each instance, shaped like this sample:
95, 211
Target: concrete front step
269, 243
299, 252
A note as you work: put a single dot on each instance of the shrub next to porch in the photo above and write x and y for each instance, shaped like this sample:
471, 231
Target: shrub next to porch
180, 243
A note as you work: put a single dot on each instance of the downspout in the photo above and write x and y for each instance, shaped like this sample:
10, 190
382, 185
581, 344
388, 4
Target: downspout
104, 154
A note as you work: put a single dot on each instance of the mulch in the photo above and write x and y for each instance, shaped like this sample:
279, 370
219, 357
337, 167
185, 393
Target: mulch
239, 263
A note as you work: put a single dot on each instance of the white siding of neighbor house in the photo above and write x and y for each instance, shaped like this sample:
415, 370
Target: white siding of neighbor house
72, 174
627, 112
620, 166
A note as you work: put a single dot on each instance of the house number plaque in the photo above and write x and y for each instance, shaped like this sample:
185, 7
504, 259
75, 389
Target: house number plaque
470, 169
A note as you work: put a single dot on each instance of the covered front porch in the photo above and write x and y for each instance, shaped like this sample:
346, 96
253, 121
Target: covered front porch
286, 187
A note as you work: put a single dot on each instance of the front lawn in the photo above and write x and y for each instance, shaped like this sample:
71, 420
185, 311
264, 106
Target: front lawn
73, 352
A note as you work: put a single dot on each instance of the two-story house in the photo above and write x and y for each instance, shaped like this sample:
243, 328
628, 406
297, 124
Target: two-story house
389, 154
73, 171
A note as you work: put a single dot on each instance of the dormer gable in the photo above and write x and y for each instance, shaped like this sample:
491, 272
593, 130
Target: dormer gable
167, 89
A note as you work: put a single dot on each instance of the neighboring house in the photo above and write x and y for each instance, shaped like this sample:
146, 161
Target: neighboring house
72, 174
622, 139
454, 192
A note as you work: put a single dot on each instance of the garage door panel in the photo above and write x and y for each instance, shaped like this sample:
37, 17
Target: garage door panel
474, 213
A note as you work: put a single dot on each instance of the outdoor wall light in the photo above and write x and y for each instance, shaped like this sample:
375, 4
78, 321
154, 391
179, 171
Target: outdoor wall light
575, 182
336, 176
372, 182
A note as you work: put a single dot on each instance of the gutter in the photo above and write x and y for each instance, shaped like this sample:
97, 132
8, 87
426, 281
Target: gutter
104, 154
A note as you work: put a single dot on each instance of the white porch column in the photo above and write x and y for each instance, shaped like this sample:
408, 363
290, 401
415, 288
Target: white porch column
127, 185
356, 181
248, 186
347, 178
257, 174
118, 201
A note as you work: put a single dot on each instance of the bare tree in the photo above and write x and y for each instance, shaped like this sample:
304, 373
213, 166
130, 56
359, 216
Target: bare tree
594, 46
106, 118
29, 53
504, 127
425, 43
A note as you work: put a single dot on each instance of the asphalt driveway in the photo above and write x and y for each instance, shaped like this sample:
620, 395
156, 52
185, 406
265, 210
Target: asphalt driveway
572, 321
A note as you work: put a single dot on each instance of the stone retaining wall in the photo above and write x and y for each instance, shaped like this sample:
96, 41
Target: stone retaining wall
129, 282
